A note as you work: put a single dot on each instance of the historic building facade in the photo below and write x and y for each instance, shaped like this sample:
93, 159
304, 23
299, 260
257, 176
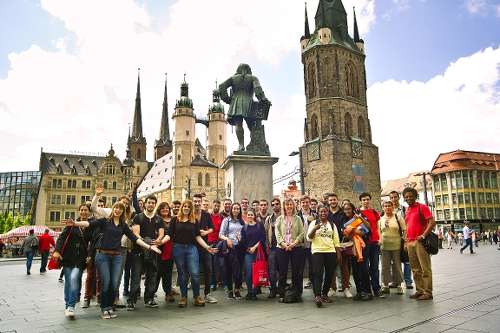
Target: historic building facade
68, 180
18, 192
466, 188
338, 154
189, 168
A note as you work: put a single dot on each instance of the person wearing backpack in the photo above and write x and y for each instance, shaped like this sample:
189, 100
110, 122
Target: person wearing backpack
28, 248
420, 224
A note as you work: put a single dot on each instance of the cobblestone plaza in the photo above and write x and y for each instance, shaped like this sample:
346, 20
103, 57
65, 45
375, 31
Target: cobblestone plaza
466, 299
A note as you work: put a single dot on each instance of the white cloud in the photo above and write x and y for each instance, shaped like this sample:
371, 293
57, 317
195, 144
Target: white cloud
413, 122
475, 6
80, 97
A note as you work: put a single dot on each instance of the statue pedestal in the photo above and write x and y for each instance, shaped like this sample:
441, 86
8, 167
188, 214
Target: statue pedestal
249, 176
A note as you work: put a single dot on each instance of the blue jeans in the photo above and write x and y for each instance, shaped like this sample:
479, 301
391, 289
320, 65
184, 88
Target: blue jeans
373, 261
249, 260
186, 261
43, 263
72, 283
109, 267
407, 273
29, 260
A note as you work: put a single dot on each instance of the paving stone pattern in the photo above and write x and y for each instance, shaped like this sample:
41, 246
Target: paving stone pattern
466, 299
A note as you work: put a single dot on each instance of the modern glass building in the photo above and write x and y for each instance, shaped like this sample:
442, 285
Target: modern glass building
18, 192
466, 188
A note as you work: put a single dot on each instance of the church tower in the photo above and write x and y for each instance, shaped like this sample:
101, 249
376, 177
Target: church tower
216, 142
184, 142
338, 154
163, 145
137, 141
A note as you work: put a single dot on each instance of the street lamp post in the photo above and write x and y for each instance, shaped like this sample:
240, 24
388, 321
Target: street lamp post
301, 171
424, 174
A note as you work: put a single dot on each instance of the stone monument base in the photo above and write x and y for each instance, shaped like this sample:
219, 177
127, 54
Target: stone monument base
249, 176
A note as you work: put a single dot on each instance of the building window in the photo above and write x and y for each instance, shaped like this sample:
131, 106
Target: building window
55, 199
311, 80
447, 215
460, 198
86, 183
479, 179
348, 124
481, 198
110, 169
314, 127
444, 183
437, 184
494, 182
55, 216
207, 179
445, 200
56, 183
453, 181
468, 212
70, 200
114, 185
439, 214
466, 198
482, 213
351, 81
113, 200
138, 170
438, 200
466, 179
488, 198
361, 128
473, 197
455, 214
187, 132
71, 183
200, 179
220, 137
454, 198
84, 199
494, 198
69, 215
105, 184
486, 179
138, 154
490, 212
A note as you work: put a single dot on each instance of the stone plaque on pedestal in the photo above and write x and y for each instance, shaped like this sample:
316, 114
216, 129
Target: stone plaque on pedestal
249, 177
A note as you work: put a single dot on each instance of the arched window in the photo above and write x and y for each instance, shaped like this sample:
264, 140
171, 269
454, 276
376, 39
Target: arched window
200, 179
361, 128
139, 154
348, 124
351, 81
311, 81
314, 127
105, 184
114, 185
207, 179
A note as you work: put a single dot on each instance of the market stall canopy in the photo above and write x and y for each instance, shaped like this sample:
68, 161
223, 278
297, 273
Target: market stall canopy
25, 230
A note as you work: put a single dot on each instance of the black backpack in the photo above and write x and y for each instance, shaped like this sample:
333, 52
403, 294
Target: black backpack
291, 296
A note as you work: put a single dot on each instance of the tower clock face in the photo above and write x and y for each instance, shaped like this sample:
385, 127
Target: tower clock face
357, 149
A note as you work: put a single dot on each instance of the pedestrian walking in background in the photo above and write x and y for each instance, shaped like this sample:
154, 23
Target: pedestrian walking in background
45, 242
467, 232
28, 248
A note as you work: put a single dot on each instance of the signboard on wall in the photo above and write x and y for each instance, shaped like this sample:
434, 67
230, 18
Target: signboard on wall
358, 182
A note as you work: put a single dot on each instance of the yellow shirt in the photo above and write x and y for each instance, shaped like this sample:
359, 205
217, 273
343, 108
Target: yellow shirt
325, 240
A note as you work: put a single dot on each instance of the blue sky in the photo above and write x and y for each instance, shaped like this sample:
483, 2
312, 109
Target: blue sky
423, 50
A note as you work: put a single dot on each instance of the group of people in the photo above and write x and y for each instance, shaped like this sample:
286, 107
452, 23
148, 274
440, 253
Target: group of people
136, 240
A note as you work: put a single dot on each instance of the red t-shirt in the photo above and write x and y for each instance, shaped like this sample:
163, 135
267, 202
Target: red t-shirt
44, 242
372, 216
416, 221
213, 237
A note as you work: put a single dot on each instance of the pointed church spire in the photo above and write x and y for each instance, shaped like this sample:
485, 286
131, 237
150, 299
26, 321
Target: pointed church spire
164, 125
307, 33
356, 31
137, 124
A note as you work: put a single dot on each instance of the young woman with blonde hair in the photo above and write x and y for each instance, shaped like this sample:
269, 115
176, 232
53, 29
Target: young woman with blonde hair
185, 233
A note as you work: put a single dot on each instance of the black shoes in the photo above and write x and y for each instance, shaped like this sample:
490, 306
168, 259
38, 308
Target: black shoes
272, 293
130, 306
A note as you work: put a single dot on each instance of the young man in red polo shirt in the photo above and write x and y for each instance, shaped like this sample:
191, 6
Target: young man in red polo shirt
373, 246
45, 241
419, 223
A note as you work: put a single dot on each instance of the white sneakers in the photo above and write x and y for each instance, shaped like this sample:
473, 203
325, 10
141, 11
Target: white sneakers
69, 313
400, 290
347, 293
210, 299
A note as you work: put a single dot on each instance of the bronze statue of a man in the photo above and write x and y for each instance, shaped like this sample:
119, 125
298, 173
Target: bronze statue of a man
243, 107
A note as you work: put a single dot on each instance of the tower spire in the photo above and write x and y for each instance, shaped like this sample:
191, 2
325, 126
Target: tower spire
356, 31
137, 124
307, 33
164, 125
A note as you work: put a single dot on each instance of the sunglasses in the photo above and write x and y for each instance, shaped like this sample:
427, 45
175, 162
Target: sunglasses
275, 204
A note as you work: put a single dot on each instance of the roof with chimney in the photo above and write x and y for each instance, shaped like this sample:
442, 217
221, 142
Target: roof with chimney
466, 160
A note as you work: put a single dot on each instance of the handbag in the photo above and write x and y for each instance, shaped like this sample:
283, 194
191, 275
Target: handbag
55, 263
347, 248
403, 253
260, 275
431, 241
166, 251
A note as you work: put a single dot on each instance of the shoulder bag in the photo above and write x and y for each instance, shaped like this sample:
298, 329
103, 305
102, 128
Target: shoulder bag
403, 253
431, 241
55, 263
